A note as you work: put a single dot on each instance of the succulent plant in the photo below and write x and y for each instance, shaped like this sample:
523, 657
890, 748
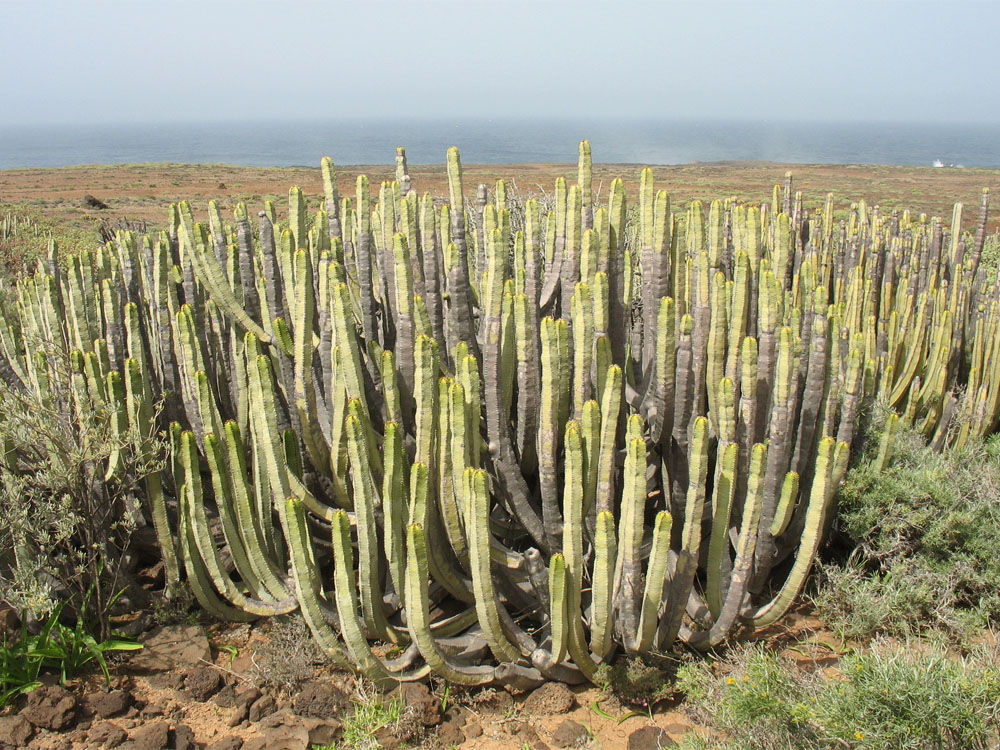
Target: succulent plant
511, 453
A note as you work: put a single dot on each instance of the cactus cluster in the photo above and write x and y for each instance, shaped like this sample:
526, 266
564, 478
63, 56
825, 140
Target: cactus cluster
511, 453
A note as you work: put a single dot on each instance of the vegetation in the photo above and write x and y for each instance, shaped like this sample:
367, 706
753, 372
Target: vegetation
57, 649
372, 713
925, 533
24, 238
639, 681
72, 484
517, 440
287, 657
888, 698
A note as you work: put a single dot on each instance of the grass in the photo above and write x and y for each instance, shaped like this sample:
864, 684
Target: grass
372, 712
891, 697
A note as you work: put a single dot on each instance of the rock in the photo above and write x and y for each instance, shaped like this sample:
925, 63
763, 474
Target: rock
107, 704
225, 698
77, 737
649, 738
472, 730
172, 647
676, 727
106, 734
138, 626
283, 731
450, 733
49, 741
528, 733
277, 718
15, 731
457, 715
90, 201
221, 186
321, 731
166, 680
552, 698
152, 575
152, 736
570, 734
202, 683
319, 700
388, 738
262, 707
152, 709
498, 701
184, 738
239, 715
227, 743
417, 697
528, 736
50, 708
246, 694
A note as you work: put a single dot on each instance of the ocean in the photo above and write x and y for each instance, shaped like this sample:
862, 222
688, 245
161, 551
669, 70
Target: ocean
501, 142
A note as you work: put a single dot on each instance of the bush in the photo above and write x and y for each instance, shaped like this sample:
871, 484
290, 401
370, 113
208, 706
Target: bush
925, 532
69, 522
890, 698
639, 681
990, 259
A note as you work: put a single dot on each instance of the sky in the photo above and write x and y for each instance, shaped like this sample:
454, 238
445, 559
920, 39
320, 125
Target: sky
83, 61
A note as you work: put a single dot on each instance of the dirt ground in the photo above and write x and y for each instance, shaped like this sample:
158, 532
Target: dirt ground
210, 686
143, 191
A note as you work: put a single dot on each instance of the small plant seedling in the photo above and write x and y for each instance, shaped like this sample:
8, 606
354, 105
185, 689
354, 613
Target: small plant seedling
596, 708
444, 699
233, 653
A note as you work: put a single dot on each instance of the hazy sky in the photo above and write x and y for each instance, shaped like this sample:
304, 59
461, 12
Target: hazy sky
157, 60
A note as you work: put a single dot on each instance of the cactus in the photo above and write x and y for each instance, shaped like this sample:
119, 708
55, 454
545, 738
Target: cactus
549, 426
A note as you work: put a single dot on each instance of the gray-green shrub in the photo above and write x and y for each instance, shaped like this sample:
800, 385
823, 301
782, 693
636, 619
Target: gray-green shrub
67, 527
926, 532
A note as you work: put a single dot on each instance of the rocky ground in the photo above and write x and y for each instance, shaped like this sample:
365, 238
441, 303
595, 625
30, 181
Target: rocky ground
195, 688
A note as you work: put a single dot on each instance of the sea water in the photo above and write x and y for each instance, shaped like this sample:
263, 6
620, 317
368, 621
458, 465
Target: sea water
513, 141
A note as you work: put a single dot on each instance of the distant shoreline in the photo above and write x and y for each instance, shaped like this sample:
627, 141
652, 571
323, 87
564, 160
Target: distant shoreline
503, 141
378, 166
